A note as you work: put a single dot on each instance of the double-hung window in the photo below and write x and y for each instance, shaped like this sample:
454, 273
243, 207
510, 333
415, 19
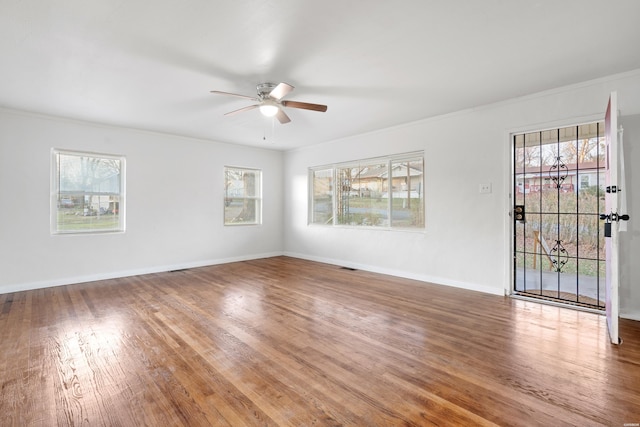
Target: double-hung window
87, 192
242, 196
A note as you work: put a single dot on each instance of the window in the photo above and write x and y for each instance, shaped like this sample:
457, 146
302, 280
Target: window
242, 196
322, 196
383, 192
407, 207
87, 192
363, 195
585, 181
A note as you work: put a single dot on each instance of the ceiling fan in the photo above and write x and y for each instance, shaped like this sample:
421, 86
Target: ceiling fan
270, 102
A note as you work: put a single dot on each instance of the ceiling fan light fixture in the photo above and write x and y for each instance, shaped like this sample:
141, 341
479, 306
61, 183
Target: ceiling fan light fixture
269, 110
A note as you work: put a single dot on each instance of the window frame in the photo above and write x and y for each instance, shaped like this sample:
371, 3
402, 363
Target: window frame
57, 194
257, 198
389, 161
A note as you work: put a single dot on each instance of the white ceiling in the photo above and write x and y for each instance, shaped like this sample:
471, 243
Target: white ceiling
150, 64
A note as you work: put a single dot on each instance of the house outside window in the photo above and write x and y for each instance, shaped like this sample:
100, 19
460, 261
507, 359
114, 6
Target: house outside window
87, 192
242, 196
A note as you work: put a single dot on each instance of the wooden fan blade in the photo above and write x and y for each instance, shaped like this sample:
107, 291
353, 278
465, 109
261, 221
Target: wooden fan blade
250, 107
305, 106
280, 91
234, 94
282, 117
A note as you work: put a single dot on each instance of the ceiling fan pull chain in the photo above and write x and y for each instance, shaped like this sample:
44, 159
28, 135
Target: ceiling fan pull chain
273, 129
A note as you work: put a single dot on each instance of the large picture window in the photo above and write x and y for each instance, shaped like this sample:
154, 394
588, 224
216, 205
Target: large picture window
383, 192
242, 196
87, 192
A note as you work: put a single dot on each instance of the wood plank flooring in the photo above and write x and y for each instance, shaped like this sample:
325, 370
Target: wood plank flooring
288, 342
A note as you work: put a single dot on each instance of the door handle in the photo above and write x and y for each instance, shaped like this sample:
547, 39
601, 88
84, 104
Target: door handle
614, 217
609, 219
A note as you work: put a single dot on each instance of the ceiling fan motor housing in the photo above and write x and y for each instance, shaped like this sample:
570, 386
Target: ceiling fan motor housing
264, 89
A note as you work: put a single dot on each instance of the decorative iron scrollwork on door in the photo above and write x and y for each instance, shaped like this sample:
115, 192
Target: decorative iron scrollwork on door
558, 172
561, 258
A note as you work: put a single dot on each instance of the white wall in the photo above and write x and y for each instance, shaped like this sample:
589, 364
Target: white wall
174, 203
467, 238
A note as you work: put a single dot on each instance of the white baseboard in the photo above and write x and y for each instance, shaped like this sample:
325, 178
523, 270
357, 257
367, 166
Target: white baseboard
630, 316
17, 287
204, 263
399, 273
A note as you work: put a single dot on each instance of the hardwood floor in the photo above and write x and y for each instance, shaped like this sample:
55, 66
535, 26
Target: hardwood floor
288, 342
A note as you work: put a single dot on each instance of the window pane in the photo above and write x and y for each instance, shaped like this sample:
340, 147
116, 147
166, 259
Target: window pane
88, 193
407, 207
322, 182
370, 188
242, 182
242, 202
89, 174
242, 212
78, 212
362, 198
